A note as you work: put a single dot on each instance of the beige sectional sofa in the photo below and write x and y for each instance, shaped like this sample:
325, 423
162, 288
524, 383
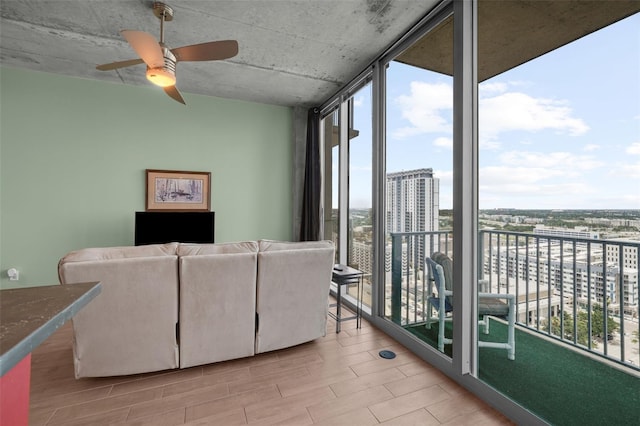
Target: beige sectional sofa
177, 305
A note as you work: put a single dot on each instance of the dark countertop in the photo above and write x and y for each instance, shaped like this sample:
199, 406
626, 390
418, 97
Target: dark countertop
28, 316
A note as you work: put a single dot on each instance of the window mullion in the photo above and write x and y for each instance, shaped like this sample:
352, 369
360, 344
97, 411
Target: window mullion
465, 179
343, 185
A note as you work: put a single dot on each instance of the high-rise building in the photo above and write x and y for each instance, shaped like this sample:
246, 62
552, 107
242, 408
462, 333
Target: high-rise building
413, 205
413, 201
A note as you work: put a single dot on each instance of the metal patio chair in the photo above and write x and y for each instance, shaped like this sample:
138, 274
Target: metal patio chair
489, 304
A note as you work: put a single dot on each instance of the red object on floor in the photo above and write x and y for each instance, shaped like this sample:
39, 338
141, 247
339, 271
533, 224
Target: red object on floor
14, 394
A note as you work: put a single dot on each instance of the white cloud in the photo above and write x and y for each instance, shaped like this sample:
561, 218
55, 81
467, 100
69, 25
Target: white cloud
552, 178
627, 171
429, 106
496, 87
591, 147
633, 149
487, 88
515, 176
445, 176
631, 200
443, 142
565, 162
525, 182
519, 111
488, 144
425, 109
631, 170
557, 180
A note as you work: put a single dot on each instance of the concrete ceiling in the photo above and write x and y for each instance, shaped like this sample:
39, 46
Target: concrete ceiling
511, 33
291, 52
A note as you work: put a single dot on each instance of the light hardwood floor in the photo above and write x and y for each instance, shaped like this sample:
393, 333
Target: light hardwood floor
335, 380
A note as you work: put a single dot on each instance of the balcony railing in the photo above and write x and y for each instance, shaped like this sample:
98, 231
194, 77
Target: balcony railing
583, 292
409, 285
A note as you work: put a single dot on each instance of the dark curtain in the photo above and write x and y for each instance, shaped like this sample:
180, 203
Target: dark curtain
310, 224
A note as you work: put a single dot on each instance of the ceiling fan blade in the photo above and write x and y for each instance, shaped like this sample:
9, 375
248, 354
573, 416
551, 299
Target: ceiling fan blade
174, 93
121, 64
146, 46
211, 51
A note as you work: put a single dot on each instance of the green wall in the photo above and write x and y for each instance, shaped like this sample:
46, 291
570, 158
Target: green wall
73, 156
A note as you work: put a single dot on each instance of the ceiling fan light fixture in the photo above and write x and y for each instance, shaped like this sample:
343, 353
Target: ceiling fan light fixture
161, 77
161, 60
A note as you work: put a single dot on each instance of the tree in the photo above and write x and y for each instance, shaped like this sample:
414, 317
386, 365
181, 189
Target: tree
597, 321
556, 326
582, 326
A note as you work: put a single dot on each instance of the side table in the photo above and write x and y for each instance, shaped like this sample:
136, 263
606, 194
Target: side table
346, 276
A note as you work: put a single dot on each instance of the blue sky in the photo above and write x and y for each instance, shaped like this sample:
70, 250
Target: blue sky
561, 131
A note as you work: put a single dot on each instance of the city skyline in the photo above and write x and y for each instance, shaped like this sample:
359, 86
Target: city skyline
559, 132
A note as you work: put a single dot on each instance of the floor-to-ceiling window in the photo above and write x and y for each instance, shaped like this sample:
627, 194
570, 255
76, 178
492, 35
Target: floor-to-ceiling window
330, 125
418, 193
559, 179
348, 194
360, 230
430, 141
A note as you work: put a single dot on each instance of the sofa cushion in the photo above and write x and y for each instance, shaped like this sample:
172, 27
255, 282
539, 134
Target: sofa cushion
110, 253
217, 307
272, 245
219, 248
292, 292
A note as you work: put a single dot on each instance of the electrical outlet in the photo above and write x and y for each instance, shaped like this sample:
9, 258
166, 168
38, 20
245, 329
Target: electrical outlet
14, 274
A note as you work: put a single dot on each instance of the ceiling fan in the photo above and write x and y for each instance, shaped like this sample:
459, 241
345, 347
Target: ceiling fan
161, 61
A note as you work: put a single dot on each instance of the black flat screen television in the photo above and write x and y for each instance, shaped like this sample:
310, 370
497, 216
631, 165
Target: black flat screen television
168, 227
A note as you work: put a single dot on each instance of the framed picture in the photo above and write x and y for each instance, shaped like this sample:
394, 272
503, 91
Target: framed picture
174, 190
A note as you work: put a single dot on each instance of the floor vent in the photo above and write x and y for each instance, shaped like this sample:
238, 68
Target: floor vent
387, 354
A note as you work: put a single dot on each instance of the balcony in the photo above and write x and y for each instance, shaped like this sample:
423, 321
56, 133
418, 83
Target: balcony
576, 323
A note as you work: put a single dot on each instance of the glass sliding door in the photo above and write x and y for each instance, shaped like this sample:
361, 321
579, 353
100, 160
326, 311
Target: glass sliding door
418, 191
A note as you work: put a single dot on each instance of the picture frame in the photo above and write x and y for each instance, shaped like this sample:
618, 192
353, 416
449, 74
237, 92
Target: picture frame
176, 190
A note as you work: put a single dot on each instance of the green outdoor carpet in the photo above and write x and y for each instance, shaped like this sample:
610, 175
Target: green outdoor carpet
558, 384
